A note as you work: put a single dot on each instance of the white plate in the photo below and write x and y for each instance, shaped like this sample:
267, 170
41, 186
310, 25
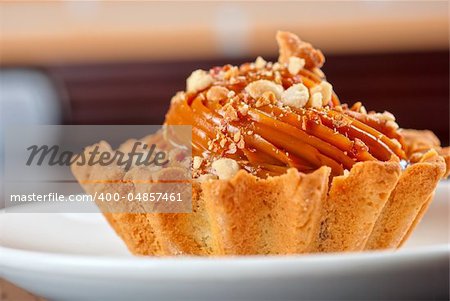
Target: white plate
78, 257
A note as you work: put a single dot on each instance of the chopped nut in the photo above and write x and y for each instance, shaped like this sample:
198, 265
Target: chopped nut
316, 100
229, 112
232, 148
206, 177
217, 93
278, 79
225, 168
257, 88
268, 73
260, 63
231, 73
295, 65
231, 94
385, 116
180, 96
363, 110
392, 124
327, 92
324, 88
197, 162
388, 116
243, 109
222, 142
318, 72
237, 136
295, 96
241, 143
276, 66
266, 98
198, 80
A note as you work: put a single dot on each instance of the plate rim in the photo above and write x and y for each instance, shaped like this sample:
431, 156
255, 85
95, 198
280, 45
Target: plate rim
249, 266
32, 260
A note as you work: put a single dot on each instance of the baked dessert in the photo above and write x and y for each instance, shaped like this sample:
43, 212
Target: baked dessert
280, 166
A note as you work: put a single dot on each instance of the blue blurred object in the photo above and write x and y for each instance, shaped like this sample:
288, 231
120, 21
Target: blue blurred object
27, 97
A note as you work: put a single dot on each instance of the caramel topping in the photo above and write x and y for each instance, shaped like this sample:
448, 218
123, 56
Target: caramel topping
268, 117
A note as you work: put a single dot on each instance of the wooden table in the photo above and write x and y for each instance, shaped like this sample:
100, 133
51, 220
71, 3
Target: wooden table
10, 292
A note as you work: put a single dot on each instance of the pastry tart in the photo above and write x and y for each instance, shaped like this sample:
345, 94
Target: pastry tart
281, 166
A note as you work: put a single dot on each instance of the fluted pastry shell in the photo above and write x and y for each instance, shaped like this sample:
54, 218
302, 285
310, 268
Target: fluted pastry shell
375, 206
263, 118
412, 193
278, 215
354, 203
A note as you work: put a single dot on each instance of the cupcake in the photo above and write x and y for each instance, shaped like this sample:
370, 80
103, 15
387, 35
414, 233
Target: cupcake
280, 166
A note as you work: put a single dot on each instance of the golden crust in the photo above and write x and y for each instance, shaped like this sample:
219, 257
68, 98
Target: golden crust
184, 233
278, 215
414, 189
353, 205
133, 228
375, 206
127, 219
417, 219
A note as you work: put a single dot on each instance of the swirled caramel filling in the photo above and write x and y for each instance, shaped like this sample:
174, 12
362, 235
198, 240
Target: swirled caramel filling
270, 117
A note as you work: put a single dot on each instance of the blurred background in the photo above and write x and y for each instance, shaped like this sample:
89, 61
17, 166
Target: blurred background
88, 62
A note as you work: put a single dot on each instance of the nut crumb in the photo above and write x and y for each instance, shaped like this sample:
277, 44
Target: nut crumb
231, 73
277, 66
363, 110
243, 109
179, 96
392, 124
237, 136
229, 112
197, 162
222, 142
198, 80
225, 168
316, 100
206, 177
217, 93
241, 143
231, 94
266, 98
257, 88
318, 72
232, 148
295, 65
324, 88
386, 117
260, 63
295, 96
